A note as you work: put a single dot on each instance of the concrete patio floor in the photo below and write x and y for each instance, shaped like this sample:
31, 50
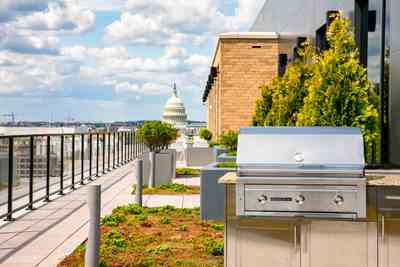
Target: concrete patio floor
43, 237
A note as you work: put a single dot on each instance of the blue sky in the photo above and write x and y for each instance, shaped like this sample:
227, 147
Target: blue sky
110, 60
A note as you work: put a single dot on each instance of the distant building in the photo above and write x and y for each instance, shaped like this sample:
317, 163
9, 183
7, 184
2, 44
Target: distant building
175, 112
242, 62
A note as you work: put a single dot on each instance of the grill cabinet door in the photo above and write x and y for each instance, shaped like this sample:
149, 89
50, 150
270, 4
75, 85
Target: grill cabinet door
338, 244
389, 242
261, 243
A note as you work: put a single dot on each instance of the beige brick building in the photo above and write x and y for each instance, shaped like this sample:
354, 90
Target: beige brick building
242, 63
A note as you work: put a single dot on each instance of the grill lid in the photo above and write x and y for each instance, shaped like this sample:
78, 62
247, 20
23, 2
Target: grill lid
300, 151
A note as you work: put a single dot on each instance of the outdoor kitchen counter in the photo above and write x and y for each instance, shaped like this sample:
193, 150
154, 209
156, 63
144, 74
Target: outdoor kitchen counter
374, 179
370, 242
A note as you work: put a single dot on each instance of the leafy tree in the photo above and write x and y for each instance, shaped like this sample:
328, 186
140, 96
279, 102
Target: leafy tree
229, 140
205, 134
157, 135
283, 98
339, 92
323, 89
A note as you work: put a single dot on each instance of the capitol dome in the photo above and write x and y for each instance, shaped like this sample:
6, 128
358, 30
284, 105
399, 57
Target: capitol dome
174, 111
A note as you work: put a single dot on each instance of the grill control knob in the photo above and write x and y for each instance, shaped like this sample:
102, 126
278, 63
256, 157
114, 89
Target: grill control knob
338, 200
263, 200
300, 199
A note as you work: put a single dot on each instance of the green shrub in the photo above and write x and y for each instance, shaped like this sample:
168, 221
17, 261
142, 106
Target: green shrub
115, 239
186, 262
142, 217
218, 227
323, 89
205, 134
157, 135
158, 250
165, 220
152, 210
229, 140
183, 227
213, 247
130, 209
113, 220
339, 93
187, 171
178, 188
227, 165
232, 154
213, 144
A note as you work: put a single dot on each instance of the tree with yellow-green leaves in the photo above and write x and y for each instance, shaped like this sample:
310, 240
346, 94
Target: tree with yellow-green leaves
323, 89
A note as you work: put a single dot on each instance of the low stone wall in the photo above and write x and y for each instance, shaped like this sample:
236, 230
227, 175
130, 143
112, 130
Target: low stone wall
212, 194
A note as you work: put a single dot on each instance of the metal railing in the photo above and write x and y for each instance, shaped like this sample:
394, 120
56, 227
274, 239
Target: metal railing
35, 174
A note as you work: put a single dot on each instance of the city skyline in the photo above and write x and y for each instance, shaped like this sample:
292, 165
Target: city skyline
109, 60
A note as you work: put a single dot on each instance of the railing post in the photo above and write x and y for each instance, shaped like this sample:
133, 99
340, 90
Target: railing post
31, 167
90, 156
122, 148
113, 150
82, 159
62, 166
132, 140
92, 255
139, 182
118, 136
109, 151
97, 155
134, 144
128, 151
10, 178
48, 168
73, 163
104, 153
130, 146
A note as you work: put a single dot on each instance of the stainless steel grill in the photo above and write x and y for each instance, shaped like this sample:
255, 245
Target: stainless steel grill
301, 171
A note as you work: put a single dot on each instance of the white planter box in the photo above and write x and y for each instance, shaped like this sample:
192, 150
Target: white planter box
199, 156
165, 167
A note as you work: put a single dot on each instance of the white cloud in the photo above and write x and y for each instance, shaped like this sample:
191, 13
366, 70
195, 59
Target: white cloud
198, 60
147, 88
26, 43
247, 10
168, 22
10, 9
174, 52
173, 22
102, 5
67, 16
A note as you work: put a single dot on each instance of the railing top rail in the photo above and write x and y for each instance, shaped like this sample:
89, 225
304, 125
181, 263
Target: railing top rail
61, 134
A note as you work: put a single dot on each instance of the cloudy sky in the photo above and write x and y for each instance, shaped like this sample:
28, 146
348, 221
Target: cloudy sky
108, 60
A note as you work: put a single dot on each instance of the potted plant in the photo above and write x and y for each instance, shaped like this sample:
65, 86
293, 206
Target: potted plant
229, 140
205, 134
157, 136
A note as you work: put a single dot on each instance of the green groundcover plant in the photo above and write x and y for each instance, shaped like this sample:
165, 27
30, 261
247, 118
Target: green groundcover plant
323, 89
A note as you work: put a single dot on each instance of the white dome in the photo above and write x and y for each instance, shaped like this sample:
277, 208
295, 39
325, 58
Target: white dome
174, 111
